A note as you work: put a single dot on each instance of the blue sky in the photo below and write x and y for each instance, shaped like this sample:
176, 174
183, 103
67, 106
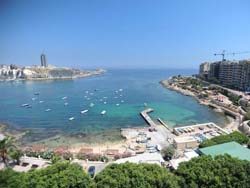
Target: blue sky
123, 33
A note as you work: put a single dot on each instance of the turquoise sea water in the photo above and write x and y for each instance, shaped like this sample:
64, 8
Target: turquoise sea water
138, 87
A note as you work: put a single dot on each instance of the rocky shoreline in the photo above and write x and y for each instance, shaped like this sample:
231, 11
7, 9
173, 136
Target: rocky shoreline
233, 124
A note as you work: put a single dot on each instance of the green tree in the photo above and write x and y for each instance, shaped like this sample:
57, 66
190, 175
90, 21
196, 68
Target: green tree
130, 175
222, 171
16, 155
59, 175
11, 179
234, 136
5, 146
168, 152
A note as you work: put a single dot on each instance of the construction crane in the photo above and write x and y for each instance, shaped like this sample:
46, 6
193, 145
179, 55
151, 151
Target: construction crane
223, 53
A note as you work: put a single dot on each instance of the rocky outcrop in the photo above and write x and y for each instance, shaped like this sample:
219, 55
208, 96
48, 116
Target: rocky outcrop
13, 72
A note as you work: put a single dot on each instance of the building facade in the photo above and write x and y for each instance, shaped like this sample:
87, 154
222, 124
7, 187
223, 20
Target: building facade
232, 74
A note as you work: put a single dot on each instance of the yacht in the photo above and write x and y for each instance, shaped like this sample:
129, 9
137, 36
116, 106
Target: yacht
47, 110
103, 112
84, 111
72, 118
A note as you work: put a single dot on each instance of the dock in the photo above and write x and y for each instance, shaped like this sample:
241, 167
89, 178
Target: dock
147, 118
164, 124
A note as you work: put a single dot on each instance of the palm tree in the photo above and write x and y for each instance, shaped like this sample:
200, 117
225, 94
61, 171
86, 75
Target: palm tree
5, 146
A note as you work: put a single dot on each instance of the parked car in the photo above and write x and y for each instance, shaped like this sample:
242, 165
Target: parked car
91, 171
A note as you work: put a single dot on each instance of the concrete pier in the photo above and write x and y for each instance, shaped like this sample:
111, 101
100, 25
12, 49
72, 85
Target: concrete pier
146, 117
164, 124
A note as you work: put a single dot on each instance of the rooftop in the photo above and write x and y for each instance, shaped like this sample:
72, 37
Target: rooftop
232, 148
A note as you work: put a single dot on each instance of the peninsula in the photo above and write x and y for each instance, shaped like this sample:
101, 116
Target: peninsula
13, 72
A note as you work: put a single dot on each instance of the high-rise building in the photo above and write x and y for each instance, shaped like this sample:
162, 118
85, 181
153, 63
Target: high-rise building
43, 60
232, 74
213, 72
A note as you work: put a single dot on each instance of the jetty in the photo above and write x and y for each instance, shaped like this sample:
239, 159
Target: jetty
147, 118
164, 124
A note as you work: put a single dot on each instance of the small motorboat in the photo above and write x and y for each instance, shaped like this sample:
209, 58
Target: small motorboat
25, 105
117, 104
34, 98
47, 110
71, 118
84, 111
104, 102
66, 104
64, 98
120, 90
103, 112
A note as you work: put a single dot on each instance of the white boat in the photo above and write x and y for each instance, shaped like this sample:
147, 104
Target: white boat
158, 147
145, 104
117, 104
64, 98
86, 91
24, 105
66, 104
103, 112
72, 118
34, 98
41, 101
91, 104
47, 110
120, 89
122, 101
84, 111
104, 102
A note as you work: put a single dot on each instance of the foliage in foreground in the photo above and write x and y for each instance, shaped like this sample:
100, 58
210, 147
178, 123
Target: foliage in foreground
235, 136
131, 175
201, 172
59, 175
222, 171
